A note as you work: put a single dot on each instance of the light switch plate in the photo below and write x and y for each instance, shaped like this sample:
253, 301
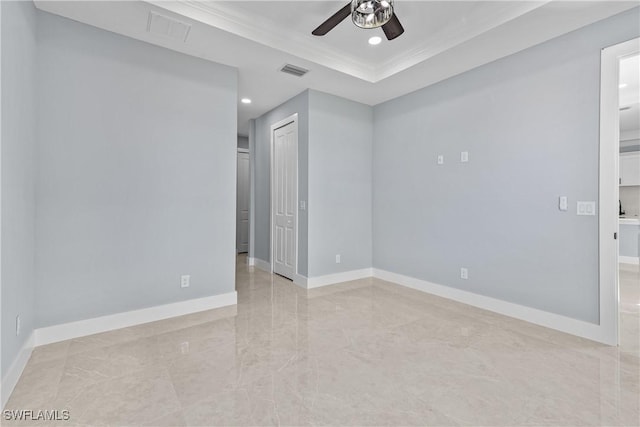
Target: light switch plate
303, 205
586, 208
563, 203
440, 159
464, 157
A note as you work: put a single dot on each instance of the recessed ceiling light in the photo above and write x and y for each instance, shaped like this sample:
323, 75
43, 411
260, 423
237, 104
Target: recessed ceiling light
245, 101
621, 85
375, 40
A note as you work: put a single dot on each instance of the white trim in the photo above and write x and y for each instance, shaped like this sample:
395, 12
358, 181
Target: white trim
608, 222
227, 19
300, 280
96, 325
629, 260
261, 265
629, 221
267, 32
284, 122
539, 317
15, 370
251, 261
330, 279
252, 188
2, 383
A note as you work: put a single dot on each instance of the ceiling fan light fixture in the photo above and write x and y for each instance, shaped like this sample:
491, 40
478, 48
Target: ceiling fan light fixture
371, 13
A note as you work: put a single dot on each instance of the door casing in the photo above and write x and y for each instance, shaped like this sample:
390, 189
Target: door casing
608, 220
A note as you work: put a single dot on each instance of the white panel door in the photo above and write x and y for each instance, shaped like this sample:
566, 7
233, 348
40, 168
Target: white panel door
242, 206
284, 193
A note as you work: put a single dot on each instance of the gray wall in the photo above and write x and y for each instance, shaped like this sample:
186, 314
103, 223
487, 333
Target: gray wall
18, 175
136, 174
298, 104
340, 158
530, 123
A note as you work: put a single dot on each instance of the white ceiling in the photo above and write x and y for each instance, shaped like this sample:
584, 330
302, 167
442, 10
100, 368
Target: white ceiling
441, 39
630, 93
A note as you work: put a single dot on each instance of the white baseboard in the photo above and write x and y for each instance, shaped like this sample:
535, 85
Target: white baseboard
330, 279
261, 265
300, 280
15, 370
96, 325
629, 259
539, 317
251, 261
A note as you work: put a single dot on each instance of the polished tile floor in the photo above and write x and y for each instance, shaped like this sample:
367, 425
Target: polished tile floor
360, 353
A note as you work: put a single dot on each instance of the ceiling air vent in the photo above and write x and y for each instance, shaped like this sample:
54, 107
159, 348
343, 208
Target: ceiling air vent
168, 27
293, 70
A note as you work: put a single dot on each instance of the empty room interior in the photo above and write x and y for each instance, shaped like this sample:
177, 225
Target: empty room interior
354, 213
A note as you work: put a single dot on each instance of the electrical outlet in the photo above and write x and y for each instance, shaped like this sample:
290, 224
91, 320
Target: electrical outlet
464, 273
464, 157
338, 261
184, 347
440, 159
184, 281
17, 325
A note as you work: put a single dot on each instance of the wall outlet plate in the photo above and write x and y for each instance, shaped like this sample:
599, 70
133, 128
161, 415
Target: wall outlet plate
185, 281
184, 347
338, 259
464, 273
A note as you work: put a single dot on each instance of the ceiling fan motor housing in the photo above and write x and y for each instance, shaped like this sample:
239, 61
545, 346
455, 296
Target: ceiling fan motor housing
371, 13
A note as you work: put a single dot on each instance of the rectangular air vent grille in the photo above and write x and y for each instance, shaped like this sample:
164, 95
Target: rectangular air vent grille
293, 70
168, 27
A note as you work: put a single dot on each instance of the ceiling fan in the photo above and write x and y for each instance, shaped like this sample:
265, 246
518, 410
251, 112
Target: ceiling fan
365, 14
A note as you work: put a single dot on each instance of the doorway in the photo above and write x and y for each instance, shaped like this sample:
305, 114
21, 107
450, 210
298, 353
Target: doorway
629, 205
284, 197
613, 104
242, 202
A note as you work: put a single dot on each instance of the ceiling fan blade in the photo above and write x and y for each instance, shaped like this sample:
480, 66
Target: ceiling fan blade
393, 28
334, 20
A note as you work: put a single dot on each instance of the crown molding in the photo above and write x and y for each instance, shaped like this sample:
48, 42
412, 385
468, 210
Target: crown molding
269, 34
222, 17
456, 37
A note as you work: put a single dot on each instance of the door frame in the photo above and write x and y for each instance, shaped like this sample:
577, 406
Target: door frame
243, 151
282, 123
608, 221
